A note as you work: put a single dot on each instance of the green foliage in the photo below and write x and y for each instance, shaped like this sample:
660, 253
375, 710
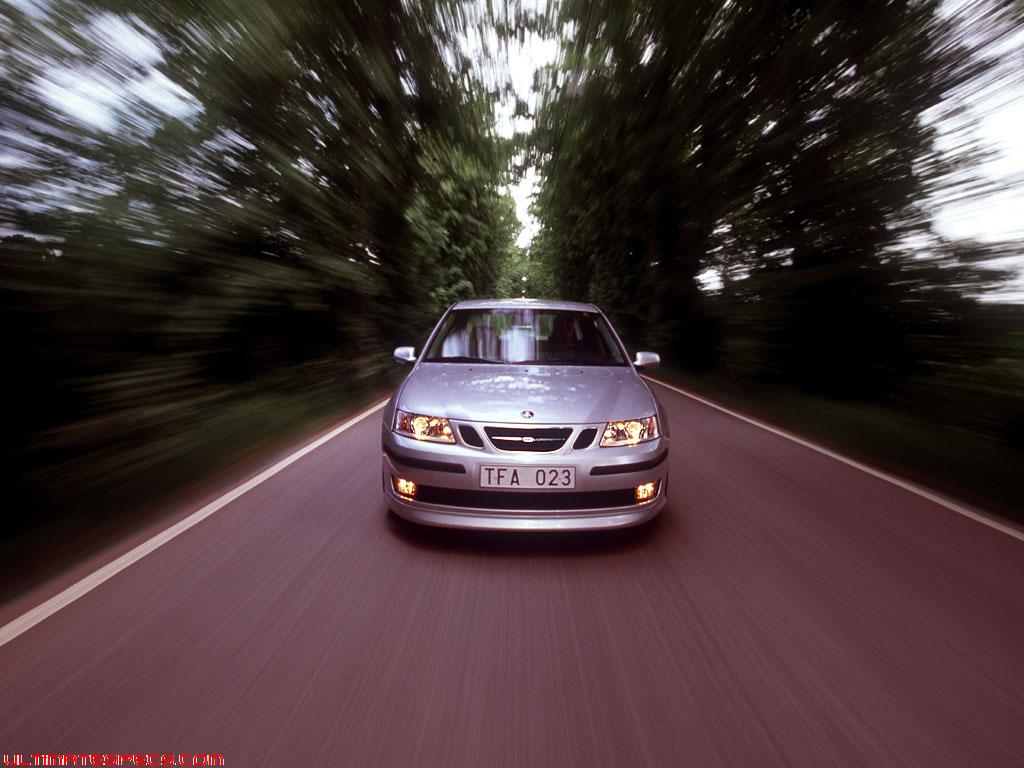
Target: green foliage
208, 201
783, 149
540, 282
262, 196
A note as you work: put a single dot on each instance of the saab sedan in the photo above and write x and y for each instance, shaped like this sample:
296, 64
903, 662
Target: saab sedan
524, 415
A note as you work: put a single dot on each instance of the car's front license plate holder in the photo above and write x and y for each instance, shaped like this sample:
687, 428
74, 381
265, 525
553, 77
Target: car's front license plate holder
507, 476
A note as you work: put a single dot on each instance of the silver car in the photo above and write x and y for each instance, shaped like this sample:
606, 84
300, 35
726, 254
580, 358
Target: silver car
524, 415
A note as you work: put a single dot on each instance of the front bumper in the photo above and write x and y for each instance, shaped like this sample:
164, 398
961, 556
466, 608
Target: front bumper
448, 479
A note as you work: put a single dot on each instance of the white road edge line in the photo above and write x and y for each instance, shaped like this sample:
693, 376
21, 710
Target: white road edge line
82, 587
916, 489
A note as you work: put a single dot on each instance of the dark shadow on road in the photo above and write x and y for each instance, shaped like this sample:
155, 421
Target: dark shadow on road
527, 543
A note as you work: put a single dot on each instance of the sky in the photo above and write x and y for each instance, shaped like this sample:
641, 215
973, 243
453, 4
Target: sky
522, 61
999, 113
1001, 130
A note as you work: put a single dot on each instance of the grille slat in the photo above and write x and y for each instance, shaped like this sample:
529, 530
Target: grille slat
533, 439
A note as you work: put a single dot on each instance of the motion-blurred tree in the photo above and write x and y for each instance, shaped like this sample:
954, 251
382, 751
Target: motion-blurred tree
204, 199
779, 148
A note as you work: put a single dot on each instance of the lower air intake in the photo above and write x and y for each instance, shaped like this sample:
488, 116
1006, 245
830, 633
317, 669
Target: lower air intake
541, 500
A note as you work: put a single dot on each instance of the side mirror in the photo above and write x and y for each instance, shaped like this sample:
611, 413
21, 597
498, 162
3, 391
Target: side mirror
405, 354
647, 360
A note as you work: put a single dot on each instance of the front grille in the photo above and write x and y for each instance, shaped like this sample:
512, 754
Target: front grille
535, 439
540, 500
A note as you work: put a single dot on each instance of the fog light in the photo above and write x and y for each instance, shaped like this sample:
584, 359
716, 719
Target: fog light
405, 487
645, 491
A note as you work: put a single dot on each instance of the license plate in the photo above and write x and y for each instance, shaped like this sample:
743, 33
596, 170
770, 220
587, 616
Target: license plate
504, 476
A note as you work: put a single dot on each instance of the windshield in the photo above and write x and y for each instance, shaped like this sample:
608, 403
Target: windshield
525, 336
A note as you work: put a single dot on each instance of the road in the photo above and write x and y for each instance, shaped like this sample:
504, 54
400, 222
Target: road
786, 609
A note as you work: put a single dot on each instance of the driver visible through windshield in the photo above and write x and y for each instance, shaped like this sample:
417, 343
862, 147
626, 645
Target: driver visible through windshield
525, 336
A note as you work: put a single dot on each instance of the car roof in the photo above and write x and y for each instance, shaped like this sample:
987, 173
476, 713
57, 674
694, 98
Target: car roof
572, 306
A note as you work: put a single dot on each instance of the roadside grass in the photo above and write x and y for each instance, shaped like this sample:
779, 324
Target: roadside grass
112, 492
954, 461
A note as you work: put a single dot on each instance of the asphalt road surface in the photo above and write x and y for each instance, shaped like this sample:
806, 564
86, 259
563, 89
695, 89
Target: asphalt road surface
785, 609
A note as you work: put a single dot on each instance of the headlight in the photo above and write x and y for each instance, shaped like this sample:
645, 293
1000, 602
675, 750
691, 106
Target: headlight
431, 428
630, 432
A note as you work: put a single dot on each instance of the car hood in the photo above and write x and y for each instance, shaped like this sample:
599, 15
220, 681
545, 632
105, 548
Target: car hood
555, 394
